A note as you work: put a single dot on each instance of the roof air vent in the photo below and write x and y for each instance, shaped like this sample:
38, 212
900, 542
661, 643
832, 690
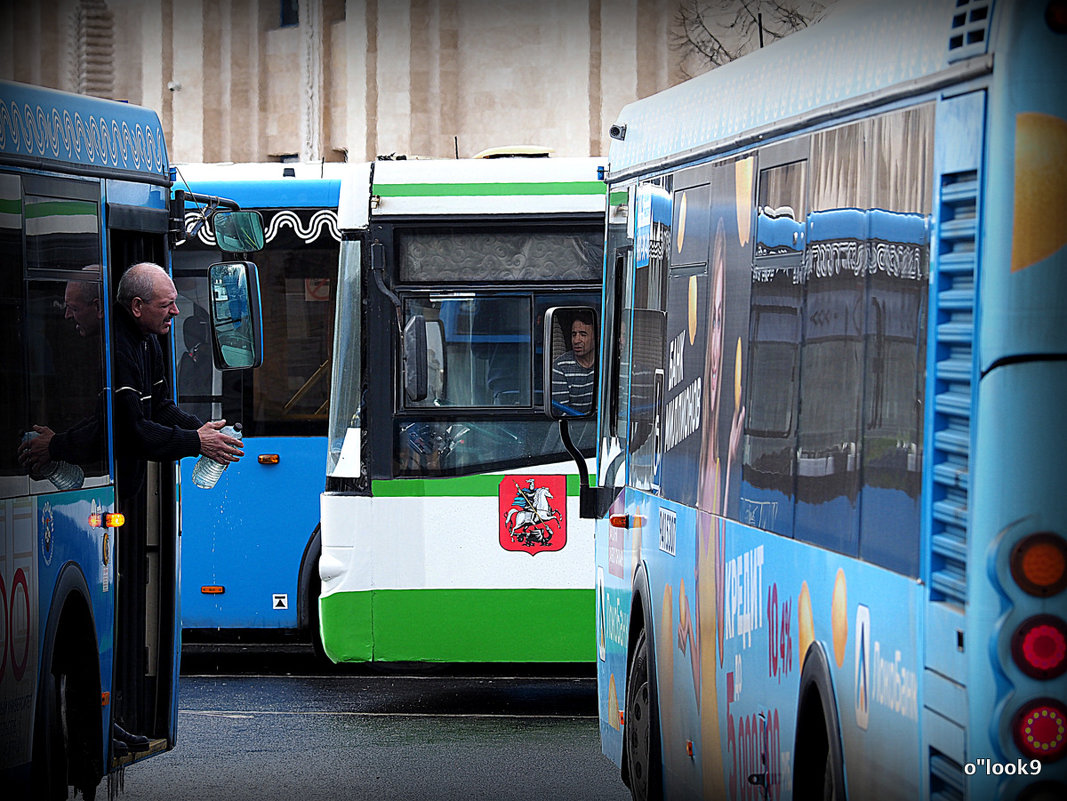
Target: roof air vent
970, 29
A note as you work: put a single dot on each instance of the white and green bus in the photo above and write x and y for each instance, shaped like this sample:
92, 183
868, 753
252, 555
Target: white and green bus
450, 526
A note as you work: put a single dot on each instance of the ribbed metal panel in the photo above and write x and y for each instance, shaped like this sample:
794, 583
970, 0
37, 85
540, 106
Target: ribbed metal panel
954, 369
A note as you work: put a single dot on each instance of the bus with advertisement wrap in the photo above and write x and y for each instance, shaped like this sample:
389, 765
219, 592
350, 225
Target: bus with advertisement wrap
89, 597
450, 526
264, 587
830, 517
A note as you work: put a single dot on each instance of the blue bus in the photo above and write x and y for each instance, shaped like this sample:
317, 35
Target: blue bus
831, 545
89, 597
264, 583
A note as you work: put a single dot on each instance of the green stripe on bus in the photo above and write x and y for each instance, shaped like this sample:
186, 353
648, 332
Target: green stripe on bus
55, 208
464, 487
489, 189
489, 625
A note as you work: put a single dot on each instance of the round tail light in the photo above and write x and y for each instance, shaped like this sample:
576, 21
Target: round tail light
1039, 647
1039, 564
1039, 729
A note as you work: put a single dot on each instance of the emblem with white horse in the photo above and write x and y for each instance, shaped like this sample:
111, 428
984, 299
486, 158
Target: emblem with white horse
533, 513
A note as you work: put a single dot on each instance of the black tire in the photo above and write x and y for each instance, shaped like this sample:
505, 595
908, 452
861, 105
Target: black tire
314, 588
49, 743
641, 727
818, 763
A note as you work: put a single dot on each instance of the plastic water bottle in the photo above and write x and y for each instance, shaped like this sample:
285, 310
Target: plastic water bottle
207, 471
63, 475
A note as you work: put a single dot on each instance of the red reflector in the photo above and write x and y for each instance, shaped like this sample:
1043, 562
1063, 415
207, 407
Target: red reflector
1039, 729
213, 590
1039, 647
268, 458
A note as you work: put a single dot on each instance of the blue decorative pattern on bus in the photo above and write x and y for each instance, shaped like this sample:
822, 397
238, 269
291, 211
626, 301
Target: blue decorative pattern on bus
60, 128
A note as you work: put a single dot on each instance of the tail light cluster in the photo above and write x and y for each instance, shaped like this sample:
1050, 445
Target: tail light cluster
1039, 645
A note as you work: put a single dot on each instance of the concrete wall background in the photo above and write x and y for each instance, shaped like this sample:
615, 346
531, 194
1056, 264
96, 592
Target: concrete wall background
356, 78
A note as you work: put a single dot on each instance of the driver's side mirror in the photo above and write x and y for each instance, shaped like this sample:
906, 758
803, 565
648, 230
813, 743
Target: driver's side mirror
415, 371
236, 330
571, 349
238, 231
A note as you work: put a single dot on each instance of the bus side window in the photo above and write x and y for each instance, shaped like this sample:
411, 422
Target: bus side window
12, 365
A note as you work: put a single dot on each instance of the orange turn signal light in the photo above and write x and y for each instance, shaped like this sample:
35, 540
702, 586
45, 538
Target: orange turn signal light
106, 520
269, 458
1039, 564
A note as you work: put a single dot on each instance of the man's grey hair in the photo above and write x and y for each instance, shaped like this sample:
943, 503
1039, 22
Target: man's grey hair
138, 282
87, 290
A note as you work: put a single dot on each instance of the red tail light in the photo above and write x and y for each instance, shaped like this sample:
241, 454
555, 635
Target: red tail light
1039, 647
1040, 729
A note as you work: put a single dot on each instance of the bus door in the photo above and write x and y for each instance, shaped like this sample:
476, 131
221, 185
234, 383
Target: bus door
146, 548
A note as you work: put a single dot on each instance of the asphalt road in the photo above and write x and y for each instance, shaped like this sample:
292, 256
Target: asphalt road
281, 733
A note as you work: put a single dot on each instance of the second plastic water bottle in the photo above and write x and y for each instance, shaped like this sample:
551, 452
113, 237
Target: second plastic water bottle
207, 471
63, 475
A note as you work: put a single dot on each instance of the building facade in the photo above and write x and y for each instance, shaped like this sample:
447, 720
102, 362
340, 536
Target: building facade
270, 80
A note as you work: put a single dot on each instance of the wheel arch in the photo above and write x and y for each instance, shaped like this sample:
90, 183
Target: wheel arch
308, 579
640, 619
817, 724
70, 637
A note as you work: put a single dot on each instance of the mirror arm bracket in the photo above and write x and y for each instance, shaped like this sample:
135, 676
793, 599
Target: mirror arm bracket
593, 502
377, 268
177, 228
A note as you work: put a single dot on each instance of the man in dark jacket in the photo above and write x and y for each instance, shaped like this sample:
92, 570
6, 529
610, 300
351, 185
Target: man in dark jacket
148, 424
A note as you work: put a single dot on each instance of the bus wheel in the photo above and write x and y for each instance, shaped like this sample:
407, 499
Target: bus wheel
315, 586
641, 735
818, 764
50, 746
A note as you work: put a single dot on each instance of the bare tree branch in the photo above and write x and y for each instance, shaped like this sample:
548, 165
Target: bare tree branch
710, 33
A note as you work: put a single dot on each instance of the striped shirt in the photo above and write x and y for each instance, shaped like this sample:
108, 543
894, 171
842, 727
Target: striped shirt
572, 384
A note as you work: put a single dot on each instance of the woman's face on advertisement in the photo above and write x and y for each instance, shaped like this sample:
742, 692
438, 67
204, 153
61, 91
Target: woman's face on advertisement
718, 286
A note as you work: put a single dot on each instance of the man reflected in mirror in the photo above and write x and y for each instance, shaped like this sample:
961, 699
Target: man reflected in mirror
574, 372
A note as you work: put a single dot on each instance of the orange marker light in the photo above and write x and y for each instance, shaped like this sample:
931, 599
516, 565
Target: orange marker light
269, 458
1039, 564
620, 521
213, 589
106, 520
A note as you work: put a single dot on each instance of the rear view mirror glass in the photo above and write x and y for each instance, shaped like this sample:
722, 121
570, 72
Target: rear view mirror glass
238, 231
415, 373
235, 315
571, 349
